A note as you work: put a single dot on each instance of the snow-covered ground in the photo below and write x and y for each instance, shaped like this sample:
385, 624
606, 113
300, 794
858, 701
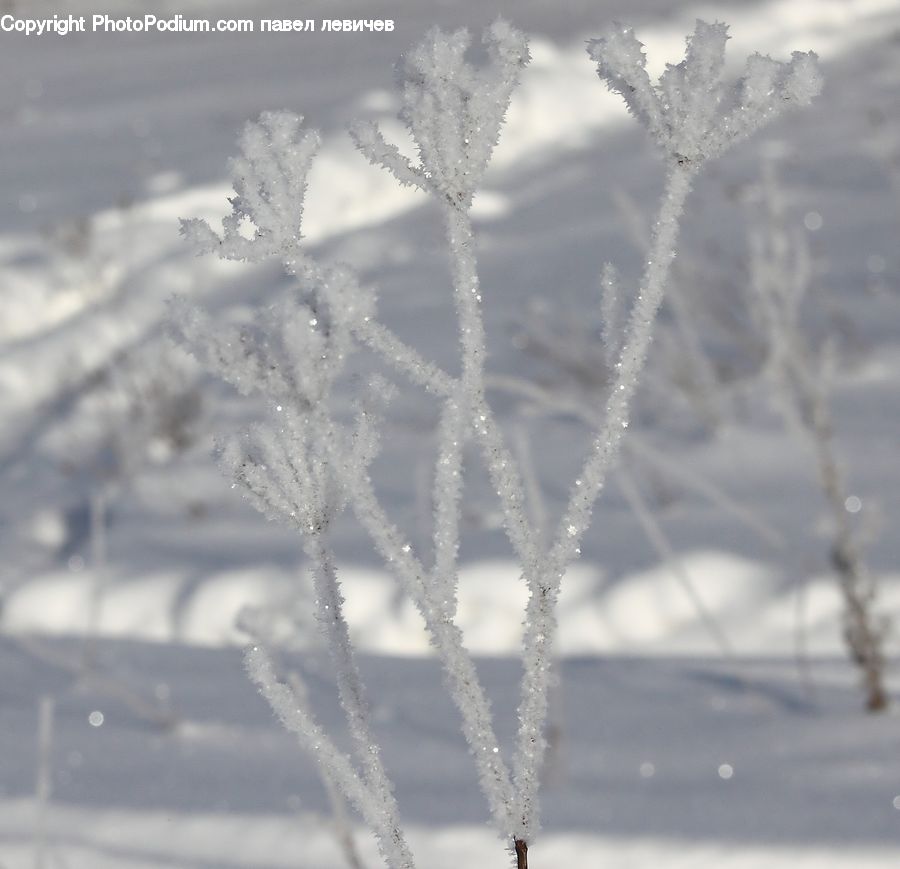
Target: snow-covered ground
688, 761
673, 750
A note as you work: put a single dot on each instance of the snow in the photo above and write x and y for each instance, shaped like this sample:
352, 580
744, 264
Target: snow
121, 796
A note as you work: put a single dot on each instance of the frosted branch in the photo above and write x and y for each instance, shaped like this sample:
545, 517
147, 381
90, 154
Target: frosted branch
460, 675
779, 278
547, 401
298, 719
330, 606
500, 462
453, 110
269, 179
621, 62
405, 359
447, 496
768, 89
372, 145
610, 304
540, 616
683, 112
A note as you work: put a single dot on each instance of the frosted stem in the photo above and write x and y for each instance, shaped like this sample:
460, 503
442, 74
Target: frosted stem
862, 633
631, 361
100, 573
460, 676
343, 828
500, 463
448, 479
497, 456
330, 604
378, 152
666, 551
540, 619
549, 402
780, 276
296, 717
404, 358
43, 789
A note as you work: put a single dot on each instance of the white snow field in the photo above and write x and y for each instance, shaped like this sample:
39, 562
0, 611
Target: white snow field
728, 733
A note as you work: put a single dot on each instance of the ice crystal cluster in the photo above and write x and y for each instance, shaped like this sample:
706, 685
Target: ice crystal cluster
304, 466
453, 110
690, 113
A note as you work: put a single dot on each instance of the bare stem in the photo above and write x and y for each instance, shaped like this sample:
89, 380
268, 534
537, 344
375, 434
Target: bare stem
521, 854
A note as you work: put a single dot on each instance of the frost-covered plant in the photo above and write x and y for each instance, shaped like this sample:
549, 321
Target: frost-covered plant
152, 410
304, 466
690, 113
780, 278
149, 409
682, 360
287, 624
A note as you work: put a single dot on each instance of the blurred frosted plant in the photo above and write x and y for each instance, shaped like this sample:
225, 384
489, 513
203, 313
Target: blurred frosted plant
151, 411
142, 408
304, 466
287, 625
289, 465
155, 409
780, 277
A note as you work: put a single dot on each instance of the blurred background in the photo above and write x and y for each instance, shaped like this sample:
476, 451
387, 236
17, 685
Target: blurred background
708, 710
